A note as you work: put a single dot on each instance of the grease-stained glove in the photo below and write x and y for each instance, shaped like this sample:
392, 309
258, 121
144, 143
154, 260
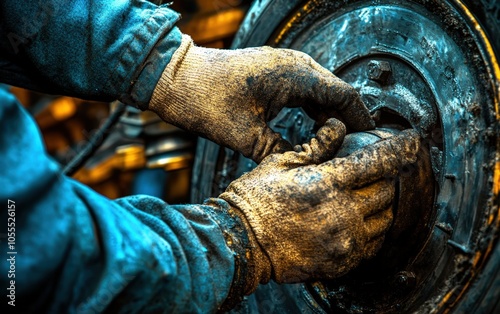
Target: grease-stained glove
313, 217
228, 96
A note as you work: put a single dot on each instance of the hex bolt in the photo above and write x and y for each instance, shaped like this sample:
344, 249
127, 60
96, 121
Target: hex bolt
379, 71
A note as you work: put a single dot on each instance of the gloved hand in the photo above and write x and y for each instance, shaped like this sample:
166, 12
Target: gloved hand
315, 218
228, 96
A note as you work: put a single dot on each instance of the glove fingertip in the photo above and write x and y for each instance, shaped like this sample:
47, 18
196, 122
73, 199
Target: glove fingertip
359, 119
331, 135
267, 142
297, 148
408, 145
282, 146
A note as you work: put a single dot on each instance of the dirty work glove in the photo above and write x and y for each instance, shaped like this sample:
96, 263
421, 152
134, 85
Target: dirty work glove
314, 217
228, 96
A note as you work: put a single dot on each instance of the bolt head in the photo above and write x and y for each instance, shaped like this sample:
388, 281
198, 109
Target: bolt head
379, 71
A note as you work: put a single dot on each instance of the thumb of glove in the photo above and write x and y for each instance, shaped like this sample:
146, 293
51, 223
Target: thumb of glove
319, 149
324, 145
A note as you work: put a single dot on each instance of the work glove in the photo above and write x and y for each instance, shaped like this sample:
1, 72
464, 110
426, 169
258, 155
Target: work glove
312, 217
228, 96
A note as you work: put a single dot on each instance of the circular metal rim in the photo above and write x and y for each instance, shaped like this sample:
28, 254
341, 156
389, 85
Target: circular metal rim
249, 37
455, 293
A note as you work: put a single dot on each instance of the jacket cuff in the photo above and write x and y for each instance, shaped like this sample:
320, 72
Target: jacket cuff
161, 28
237, 239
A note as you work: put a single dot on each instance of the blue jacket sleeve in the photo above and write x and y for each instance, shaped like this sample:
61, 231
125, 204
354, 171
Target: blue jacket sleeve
79, 252
93, 49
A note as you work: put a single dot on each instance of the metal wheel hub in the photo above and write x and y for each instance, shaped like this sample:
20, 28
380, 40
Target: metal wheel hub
410, 71
421, 64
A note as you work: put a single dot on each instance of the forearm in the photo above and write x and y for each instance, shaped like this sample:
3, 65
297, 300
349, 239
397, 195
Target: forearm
79, 251
100, 50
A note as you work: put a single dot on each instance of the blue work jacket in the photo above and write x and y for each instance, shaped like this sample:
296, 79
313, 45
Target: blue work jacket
73, 250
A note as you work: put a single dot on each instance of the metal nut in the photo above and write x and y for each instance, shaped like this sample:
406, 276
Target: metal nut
379, 71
